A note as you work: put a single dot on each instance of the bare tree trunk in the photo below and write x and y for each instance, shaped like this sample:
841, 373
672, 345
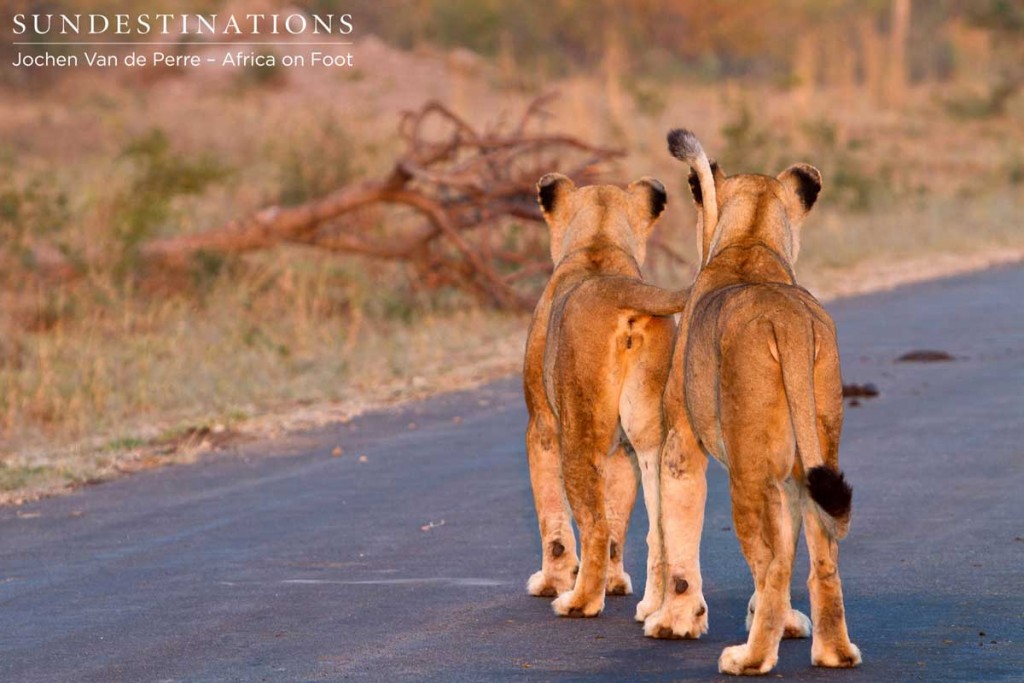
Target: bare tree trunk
805, 67
840, 61
507, 66
897, 80
613, 67
972, 53
872, 58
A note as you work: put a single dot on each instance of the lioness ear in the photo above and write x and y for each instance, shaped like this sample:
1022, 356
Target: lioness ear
552, 190
804, 182
698, 195
649, 199
553, 194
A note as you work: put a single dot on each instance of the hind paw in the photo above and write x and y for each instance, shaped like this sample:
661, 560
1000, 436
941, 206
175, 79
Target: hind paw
798, 625
678, 619
619, 584
571, 604
836, 657
646, 607
737, 661
549, 584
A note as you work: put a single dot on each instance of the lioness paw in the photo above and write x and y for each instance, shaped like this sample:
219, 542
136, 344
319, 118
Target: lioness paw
619, 584
736, 660
571, 605
835, 657
646, 607
550, 584
798, 624
678, 619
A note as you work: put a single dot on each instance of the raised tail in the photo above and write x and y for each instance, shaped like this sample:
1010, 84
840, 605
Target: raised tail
827, 486
685, 146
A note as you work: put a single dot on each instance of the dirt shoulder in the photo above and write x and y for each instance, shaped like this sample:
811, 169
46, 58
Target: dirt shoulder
47, 472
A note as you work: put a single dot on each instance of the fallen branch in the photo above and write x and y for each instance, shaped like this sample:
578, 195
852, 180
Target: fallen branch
468, 187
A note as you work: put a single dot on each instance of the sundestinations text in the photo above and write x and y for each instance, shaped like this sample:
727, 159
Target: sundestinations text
184, 24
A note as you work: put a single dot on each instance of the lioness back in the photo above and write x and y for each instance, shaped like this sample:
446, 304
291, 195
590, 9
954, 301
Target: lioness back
735, 331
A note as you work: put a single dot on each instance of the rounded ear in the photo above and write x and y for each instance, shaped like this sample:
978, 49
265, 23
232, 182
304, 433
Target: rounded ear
650, 196
552, 190
804, 181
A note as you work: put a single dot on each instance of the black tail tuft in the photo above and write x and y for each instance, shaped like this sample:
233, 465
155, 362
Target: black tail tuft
829, 490
683, 145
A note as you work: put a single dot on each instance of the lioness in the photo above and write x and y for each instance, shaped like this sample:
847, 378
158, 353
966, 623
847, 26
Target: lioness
597, 356
755, 383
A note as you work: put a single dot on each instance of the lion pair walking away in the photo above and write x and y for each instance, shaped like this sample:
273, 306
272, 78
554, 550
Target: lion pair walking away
750, 376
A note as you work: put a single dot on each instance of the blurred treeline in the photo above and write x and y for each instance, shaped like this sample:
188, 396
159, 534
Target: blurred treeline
784, 40
878, 45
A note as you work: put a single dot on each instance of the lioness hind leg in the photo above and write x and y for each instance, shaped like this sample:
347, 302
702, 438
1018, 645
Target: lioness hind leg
831, 644
586, 442
620, 477
683, 613
644, 429
642, 419
797, 623
654, 587
559, 561
765, 531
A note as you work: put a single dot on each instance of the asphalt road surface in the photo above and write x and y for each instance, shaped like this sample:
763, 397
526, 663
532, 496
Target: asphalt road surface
410, 564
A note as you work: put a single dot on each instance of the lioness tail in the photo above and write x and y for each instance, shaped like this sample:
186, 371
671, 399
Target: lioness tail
828, 488
649, 299
685, 146
826, 485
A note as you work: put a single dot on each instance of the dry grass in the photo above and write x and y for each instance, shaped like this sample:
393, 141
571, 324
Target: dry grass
107, 374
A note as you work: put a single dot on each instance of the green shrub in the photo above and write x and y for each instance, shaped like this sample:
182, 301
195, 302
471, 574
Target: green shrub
315, 165
158, 177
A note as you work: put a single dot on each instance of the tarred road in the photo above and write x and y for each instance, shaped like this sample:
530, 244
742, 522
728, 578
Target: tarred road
410, 566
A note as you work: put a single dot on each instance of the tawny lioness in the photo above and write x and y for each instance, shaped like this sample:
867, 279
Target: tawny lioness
596, 360
755, 383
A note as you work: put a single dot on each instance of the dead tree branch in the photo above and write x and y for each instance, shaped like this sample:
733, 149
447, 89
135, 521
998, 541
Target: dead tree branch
472, 191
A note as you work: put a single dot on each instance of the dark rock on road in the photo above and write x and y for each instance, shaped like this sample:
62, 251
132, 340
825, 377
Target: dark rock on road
925, 356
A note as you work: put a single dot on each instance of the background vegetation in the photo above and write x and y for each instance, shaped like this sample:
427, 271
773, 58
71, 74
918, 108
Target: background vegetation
913, 112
